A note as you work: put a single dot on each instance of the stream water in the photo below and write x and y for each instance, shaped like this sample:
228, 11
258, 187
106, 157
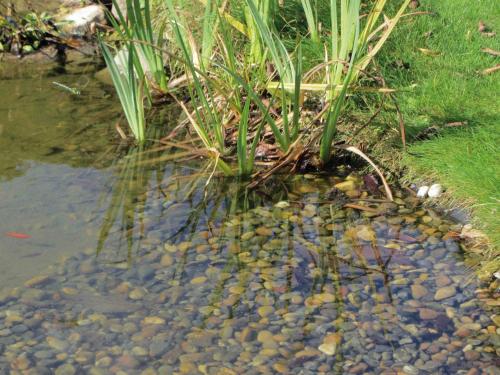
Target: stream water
115, 260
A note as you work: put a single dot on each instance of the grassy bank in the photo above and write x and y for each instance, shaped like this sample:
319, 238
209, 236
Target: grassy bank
438, 58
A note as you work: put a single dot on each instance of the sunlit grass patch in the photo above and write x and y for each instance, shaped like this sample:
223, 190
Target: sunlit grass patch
438, 59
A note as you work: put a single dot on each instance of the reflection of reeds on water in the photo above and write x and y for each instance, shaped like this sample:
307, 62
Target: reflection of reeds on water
128, 199
148, 175
244, 263
137, 178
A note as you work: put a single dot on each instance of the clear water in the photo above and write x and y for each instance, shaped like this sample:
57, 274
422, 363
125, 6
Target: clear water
134, 266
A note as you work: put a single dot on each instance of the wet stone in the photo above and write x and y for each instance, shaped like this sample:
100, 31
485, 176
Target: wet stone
442, 281
57, 344
418, 291
166, 260
157, 348
444, 293
145, 273
66, 369
264, 311
137, 294
287, 297
428, 314
37, 281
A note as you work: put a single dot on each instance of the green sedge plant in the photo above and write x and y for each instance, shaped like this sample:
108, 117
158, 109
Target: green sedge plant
137, 27
129, 86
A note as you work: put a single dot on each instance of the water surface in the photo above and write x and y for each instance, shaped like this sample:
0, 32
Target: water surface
164, 275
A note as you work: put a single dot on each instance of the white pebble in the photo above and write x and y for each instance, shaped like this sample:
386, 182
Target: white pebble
435, 191
422, 192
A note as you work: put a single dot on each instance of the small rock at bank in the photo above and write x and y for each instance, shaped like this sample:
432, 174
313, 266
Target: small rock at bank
435, 191
422, 191
80, 21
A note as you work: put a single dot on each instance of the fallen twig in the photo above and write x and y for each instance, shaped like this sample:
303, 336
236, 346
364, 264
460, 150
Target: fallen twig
120, 131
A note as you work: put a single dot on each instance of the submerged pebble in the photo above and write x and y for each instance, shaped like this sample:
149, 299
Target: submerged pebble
308, 288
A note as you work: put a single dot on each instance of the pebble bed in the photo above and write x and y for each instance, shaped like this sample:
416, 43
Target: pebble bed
299, 286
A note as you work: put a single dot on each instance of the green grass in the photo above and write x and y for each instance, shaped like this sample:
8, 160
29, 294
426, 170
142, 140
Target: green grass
449, 88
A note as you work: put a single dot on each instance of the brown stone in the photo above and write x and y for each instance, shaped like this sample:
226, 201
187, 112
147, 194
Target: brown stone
442, 280
360, 368
127, 361
263, 231
445, 292
308, 352
187, 368
427, 314
462, 332
418, 291
166, 260
472, 355
280, 368
36, 281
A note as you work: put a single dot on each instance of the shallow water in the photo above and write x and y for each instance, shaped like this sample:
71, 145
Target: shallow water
162, 276
52, 153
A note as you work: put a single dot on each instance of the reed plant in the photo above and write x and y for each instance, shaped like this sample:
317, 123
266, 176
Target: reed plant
311, 14
129, 87
346, 55
266, 9
237, 94
137, 27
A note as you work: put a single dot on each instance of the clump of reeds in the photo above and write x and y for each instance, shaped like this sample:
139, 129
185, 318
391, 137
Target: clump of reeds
138, 68
245, 77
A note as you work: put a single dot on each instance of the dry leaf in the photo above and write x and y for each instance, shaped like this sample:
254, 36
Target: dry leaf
491, 51
469, 233
491, 70
452, 235
429, 52
366, 233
